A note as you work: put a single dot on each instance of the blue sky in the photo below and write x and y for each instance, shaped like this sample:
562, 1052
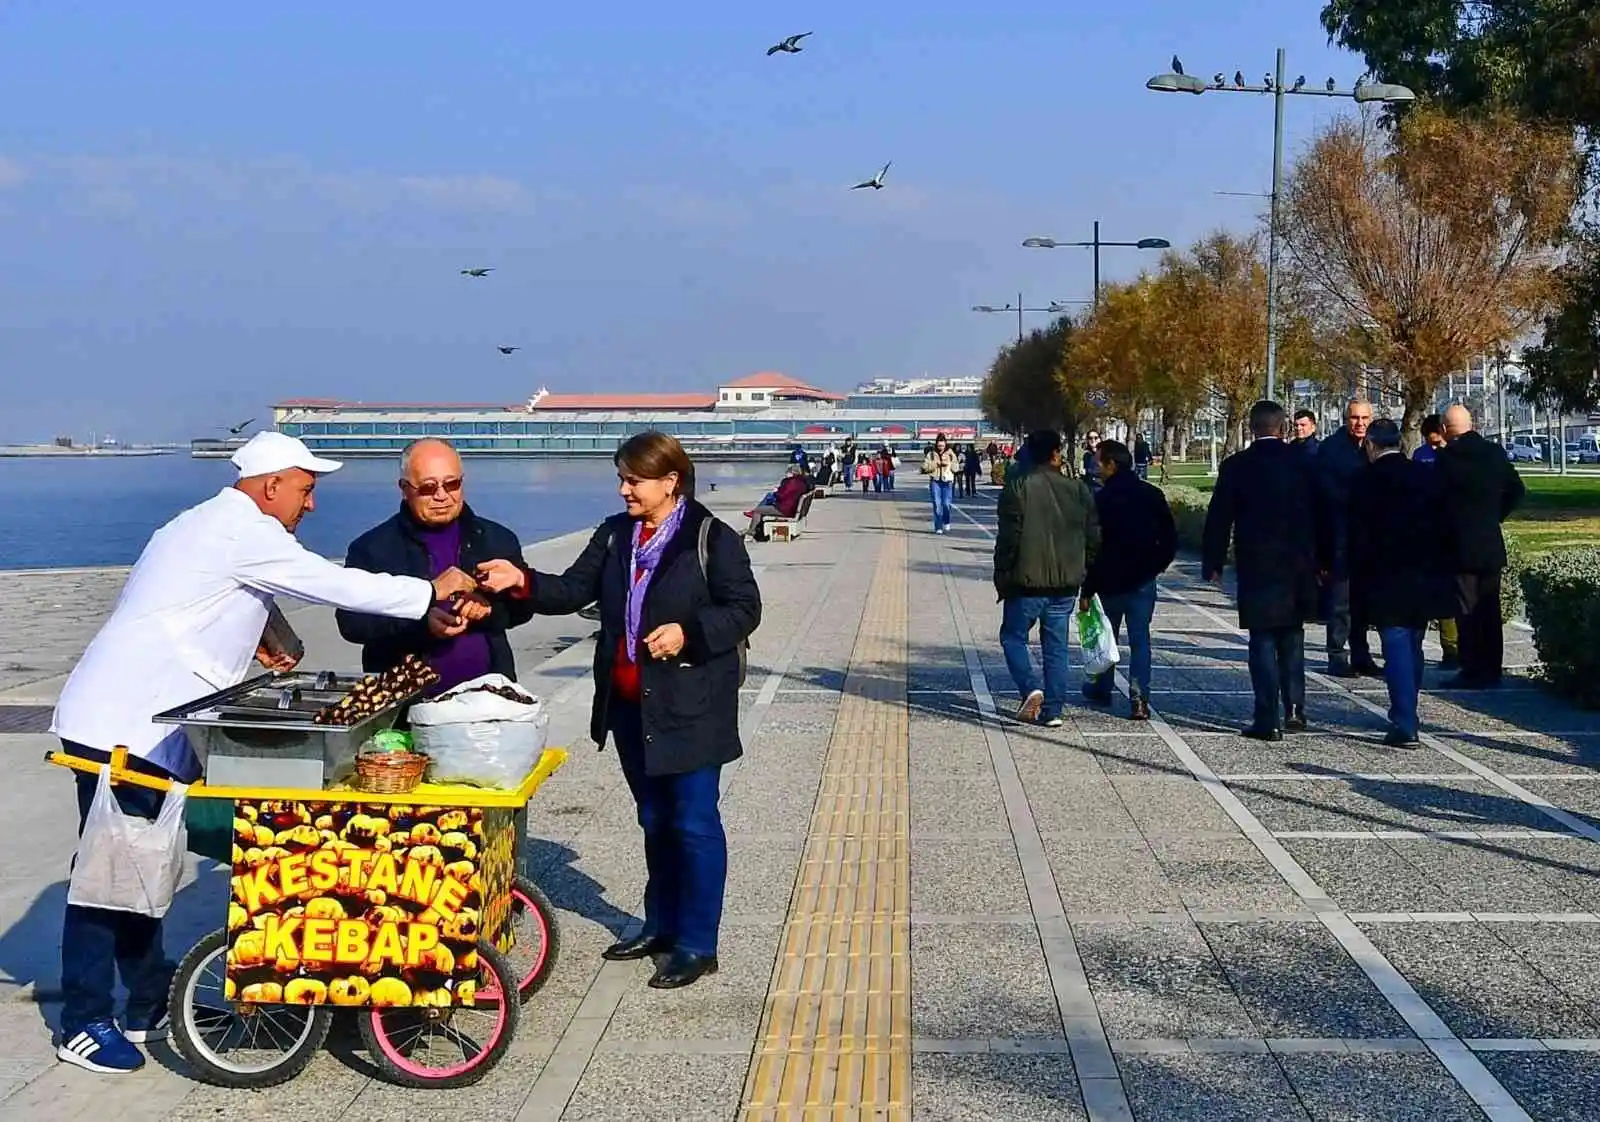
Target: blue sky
205, 207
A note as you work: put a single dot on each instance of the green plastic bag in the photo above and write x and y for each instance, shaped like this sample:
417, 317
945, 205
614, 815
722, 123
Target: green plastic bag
1099, 645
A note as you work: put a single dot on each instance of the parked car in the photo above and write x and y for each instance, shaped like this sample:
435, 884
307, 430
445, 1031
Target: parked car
1588, 450
1523, 449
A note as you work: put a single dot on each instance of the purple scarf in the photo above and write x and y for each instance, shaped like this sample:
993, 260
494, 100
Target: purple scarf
647, 558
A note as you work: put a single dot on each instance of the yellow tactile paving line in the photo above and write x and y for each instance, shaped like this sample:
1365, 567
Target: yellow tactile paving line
835, 1040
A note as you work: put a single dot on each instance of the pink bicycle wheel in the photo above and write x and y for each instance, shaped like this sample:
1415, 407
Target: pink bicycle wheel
538, 941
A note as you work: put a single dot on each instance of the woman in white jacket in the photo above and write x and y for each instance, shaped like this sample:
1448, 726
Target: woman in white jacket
941, 465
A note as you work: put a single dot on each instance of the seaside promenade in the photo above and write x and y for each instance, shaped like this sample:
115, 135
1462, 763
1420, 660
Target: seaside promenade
936, 913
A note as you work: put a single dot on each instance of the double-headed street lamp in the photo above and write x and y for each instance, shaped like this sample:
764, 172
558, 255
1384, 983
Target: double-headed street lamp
1051, 243
1056, 308
1365, 93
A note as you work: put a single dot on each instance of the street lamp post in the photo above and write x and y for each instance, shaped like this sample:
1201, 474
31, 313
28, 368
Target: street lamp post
1052, 243
1056, 307
1364, 93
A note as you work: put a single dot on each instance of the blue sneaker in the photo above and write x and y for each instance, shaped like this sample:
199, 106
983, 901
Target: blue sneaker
144, 1030
101, 1047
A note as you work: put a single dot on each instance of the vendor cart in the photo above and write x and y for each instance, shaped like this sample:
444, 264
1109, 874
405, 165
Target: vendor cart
405, 908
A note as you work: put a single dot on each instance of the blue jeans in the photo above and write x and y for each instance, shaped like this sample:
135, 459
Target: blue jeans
1402, 673
849, 474
685, 849
1136, 609
888, 481
97, 944
1017, 619
943, 495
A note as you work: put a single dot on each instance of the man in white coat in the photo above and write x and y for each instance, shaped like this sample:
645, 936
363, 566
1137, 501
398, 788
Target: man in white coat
191, 620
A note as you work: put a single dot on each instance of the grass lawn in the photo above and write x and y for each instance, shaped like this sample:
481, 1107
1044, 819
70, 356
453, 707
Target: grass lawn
1559, 510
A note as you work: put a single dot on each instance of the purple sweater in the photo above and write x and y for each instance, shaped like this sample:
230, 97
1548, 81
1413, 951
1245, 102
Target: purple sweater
466, 656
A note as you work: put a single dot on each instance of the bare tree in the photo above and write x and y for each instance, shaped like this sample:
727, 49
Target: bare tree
1416, 248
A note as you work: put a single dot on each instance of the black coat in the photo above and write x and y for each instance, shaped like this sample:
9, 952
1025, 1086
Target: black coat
1260, 503
1138, 538
690, 704
1399, 572
1335, 463
396, 546
1480, 490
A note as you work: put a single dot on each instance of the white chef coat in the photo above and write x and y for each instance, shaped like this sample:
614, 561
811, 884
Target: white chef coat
190, 618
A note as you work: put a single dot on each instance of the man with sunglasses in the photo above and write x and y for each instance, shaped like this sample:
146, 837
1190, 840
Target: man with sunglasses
434, 530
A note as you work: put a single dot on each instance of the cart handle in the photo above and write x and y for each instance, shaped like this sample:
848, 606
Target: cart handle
120, 772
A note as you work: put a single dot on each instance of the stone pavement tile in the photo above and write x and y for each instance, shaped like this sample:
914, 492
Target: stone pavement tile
1222, 875
726, 1005
1498, 875
1377, 1087
1134, 754
1081, 802
1579, 798
935, 755
1438, 804
496, 1098
1158, 981
1478, 985
1361, 876
797, 714
544, 1018
1209, 1088
1551, 1086
1530, 709
1514, 755
994, 1086
1573, 865
1171, 805
1295, 980
1564, 954
972, 983
968, 804
762, 804
966, 877
1102, 876
69, 1094
683, 1088
1310, 755
1302, 805
921, 675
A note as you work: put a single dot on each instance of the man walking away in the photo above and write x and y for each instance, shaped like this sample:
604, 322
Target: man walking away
1048, 531
1428, 453
1337, 461
1398, 575
1138, 540
1253, 504
971, 465
1480, 488
1141, 456
1305, 431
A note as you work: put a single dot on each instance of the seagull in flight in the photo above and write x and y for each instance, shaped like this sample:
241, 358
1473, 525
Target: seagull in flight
508, 350
1177, 65
790, 46
876, 182
241, 426
476, 272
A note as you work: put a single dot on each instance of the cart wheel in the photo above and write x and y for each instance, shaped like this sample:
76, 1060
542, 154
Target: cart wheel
232, 1044
449, 1047
538, 940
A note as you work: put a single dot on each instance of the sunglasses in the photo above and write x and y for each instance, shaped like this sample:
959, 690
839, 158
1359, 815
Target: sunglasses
431, 487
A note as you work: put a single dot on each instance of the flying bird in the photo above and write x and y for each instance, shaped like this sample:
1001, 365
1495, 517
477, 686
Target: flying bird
876, 182
1177, 65
1299, 82
790, 46
508, 350
1238, 78
241, 426
1331, 85
476, 272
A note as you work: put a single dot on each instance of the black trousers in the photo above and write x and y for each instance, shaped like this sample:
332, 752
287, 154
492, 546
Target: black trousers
1481, 638
1345, 628
1277, 671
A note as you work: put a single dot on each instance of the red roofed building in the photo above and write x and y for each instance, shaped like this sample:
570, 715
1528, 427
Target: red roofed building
605, 402
761, 391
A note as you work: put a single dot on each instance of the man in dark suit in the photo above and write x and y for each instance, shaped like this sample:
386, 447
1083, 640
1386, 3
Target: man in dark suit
1480, 490
1337, 461
1305, 431
1399, 578
1256, 505
433, 530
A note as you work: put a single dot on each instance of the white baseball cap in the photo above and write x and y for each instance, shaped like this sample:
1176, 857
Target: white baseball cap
268, 452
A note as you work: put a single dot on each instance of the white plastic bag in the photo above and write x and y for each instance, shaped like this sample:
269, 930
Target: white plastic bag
126, 863
477, 738
1095, 638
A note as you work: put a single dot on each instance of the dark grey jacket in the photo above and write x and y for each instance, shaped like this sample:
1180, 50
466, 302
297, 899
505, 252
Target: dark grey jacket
1049, 530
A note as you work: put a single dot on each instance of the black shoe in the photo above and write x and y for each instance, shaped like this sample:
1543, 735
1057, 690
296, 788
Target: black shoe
1296, 720
1139, 710
1262, 732
1398, 739
1366, 668
683, 969
640, 946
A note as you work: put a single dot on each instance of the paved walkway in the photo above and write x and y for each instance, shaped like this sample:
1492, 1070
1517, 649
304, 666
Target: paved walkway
936, 913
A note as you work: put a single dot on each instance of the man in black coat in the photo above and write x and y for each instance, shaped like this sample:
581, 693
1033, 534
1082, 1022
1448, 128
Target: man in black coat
433, 530
1399, 578
1336, 463
1256, 504
1305, 431
1480, 490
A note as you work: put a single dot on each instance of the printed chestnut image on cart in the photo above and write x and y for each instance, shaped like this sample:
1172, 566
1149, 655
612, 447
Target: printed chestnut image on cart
488, 732
355, 904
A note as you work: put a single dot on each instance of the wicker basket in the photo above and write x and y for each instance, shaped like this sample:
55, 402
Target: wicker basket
389, 773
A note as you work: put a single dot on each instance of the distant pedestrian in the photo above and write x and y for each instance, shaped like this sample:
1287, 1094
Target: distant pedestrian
971, 465
1428, 453
864, 472
940, 466
1141, 456
1335, 465
1091, 466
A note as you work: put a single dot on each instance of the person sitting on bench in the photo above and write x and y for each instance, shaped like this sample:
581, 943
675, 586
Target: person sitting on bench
785, 502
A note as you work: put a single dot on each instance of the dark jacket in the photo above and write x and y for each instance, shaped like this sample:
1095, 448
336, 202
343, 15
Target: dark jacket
1480, 490
1255, 504
690, 704
396, 546
1335, 463
1399, 573
1048, 531
1138, 538
1308, 444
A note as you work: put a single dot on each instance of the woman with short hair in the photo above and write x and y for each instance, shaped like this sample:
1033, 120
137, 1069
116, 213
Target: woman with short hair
677, 603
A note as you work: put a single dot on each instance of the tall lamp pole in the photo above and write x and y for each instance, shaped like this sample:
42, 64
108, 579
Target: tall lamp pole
1177, 81
1056, 307
1052, 243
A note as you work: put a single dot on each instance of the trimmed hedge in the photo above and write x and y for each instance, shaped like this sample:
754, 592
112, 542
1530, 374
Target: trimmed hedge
1562, 592
1189, 513
1512, 603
